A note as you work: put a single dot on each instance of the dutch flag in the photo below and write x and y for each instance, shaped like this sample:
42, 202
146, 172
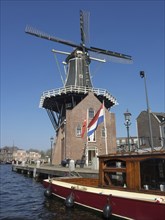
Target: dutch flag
98, 119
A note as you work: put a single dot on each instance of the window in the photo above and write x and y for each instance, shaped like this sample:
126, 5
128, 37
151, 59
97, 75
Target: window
118, 142
123, 141
142, 141
115, 173
91, 113
92, 137
115, 178
78, 130
152, 173
103, 132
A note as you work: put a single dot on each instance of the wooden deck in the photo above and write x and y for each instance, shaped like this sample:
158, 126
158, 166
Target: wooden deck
93, 182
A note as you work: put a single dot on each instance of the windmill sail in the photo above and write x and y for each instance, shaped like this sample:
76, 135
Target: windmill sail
79, 60
84, 27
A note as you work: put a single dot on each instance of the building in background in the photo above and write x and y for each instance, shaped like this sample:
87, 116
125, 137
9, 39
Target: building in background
33, 156
20, 155
122, 144
158, 129
9, 154
6, 154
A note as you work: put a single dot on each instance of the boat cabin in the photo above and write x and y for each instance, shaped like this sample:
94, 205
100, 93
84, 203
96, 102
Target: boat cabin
133, 171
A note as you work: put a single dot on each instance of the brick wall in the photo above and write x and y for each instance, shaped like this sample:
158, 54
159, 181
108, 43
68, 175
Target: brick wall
74, 146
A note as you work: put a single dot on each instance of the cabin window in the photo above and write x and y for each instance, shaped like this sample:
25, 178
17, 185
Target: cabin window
91, 113
115, 179
115, 164
115, 173
78, 130
152, 173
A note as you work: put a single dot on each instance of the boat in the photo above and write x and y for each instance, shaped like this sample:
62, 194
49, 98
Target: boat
129, 186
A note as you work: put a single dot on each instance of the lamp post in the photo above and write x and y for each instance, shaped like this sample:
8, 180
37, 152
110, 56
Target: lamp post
127, 123
51, 142
142, 75
65, 138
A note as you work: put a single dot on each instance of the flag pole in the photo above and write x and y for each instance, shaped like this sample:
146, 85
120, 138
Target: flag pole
105, 128
87, 138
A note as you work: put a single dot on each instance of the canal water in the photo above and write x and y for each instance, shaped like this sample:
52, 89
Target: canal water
22, 198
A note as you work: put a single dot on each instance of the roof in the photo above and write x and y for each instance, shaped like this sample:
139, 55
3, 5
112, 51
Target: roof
154, 154
160, 116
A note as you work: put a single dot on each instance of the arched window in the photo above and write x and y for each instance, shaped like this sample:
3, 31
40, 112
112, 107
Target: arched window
91, 113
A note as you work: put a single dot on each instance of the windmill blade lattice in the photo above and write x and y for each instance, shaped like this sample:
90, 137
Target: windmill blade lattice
38, 33
84, 27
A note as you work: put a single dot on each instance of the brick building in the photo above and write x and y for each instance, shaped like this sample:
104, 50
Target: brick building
69, 143
158, 129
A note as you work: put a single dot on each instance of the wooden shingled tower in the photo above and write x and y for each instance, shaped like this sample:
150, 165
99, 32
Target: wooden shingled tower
60, 102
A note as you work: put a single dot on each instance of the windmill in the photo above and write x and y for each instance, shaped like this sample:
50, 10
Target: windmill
78, 80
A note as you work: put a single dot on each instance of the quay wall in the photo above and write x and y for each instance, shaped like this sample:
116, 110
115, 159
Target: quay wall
45, 171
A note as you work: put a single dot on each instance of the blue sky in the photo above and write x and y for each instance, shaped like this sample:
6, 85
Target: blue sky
28, 66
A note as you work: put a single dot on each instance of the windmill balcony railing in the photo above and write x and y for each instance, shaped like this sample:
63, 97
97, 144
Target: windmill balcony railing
76, 89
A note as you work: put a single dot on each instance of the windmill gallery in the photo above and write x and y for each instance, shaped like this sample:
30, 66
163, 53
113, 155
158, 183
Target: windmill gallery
85, 131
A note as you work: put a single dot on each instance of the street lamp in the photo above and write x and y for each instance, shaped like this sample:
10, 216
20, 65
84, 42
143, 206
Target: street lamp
142, 75
51, 141
127, 123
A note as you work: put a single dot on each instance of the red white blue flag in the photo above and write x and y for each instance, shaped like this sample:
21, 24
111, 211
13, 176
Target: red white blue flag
83, 128
98, 119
